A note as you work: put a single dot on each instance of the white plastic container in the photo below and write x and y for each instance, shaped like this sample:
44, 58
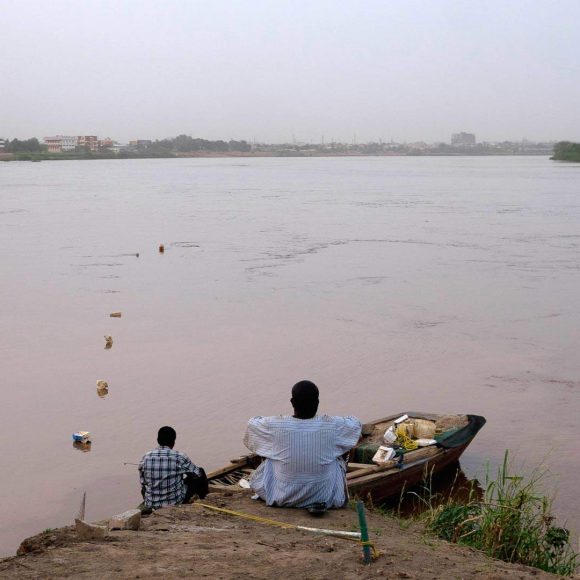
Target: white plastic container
383, 454
400, 420
81, 437
390, 436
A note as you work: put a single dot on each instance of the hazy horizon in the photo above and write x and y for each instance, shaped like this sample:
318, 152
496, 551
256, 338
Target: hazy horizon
274, 72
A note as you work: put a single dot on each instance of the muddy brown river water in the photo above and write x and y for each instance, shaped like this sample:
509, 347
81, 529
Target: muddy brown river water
439, 284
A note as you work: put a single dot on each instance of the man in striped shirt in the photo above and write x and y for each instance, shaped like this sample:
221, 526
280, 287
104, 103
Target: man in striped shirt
169, 477
302, 455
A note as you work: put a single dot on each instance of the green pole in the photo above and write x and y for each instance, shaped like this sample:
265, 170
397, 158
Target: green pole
364, 532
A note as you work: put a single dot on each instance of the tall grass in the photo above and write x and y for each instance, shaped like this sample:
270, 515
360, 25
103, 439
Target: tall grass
513, 522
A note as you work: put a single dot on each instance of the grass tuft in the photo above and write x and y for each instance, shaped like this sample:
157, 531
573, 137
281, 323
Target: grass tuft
513, 522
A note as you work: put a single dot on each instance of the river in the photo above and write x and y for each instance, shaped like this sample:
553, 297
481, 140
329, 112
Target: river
437, 284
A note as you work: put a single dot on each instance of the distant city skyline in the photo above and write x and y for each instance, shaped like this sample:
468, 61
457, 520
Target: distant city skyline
461, 138
278, 71
91, 146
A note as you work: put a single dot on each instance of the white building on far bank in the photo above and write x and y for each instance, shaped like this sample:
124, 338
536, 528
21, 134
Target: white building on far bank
61, 143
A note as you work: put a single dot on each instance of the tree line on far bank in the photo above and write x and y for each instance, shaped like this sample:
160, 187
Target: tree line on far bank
187, 144
170, 147
25, 146
160, 148
566, 151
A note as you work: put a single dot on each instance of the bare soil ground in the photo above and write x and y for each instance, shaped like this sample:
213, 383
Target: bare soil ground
192, 541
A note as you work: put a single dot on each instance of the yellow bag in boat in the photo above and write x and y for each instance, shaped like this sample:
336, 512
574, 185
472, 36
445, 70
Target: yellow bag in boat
424, 429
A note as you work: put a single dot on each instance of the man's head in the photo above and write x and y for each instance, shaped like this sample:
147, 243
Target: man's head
304, 399
166, 436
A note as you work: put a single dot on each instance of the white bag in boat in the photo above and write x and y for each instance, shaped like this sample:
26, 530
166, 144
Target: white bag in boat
383, 454
425, 442
390, 436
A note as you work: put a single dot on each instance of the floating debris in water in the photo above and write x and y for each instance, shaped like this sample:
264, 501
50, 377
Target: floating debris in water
81, 436
161, 248
108, 342
115, 314
185, 245
102, 388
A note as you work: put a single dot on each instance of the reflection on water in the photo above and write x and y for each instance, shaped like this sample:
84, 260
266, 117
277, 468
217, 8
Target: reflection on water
84, 447
450, 483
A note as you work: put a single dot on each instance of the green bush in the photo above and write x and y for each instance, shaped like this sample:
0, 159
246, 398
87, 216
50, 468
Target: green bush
512, 522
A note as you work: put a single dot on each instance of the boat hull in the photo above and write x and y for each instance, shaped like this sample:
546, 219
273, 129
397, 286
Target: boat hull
383, 486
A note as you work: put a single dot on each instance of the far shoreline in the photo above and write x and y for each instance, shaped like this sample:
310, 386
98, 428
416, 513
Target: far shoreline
36, 157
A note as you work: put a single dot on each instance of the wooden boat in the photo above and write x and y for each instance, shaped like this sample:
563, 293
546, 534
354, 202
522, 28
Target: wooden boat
378, 483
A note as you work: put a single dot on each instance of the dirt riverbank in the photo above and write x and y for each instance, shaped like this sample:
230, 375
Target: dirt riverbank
191, 540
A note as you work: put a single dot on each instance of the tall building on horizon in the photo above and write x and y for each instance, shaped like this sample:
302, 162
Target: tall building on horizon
463, 140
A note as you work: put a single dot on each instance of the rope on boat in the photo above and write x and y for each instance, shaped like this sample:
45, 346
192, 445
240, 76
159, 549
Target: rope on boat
404, 440
352, 536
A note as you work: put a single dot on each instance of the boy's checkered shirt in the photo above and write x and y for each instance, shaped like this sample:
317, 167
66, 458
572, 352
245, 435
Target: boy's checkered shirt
161, 473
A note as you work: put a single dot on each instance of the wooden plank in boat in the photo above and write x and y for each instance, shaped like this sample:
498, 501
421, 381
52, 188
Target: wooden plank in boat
242, 458
232, 467
434, 453
368, 469
412, 414
352, 465
219, 488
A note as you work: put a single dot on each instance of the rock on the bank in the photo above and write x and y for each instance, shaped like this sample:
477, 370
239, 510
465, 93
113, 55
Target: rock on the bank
86, 531
129, 520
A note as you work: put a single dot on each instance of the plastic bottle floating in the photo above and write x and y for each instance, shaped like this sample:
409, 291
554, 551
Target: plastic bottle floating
108, 342
81, 437
161, 248
115, 314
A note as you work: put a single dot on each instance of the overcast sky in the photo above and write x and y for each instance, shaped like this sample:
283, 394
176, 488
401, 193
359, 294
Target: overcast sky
270, 70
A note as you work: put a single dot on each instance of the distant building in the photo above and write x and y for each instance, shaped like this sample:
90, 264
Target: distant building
463, 140
60, 143
88, 142
2, 145
106, 143
140, 143
419, 146
118, 147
